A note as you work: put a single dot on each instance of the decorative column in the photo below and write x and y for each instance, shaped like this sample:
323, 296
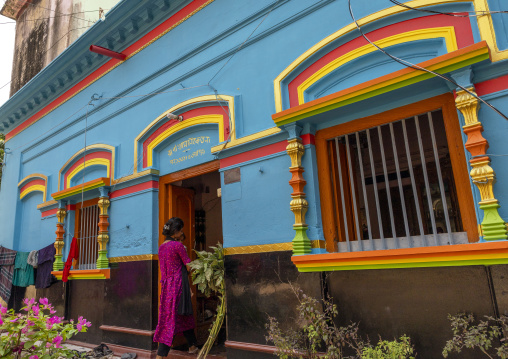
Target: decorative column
298, 204
493, 226
103, 237
58, 264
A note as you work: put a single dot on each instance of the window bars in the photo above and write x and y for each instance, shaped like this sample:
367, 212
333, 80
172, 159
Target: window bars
393, 186
88, 245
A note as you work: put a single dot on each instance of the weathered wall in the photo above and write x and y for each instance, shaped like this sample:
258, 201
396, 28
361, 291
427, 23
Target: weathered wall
44, 29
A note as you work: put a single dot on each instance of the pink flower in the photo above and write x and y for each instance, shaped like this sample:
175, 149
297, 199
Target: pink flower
3, 309
88, 324
29, 302
52, 311
35, 310
44, 301
33, 357
14, 320
79, 326
24, 330
29, 323
57, 340
48, 345
1, 321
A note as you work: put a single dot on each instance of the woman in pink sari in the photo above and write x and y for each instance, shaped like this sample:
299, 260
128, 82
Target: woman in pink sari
172, 257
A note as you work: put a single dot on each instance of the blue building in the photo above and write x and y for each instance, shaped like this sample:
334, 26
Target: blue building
277, 129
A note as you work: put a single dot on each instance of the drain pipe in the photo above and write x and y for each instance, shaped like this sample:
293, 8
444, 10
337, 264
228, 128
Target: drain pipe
107, 52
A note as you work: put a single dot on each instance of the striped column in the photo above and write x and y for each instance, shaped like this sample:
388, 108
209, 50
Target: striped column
58, 264
493, 226
103, 237
298, 204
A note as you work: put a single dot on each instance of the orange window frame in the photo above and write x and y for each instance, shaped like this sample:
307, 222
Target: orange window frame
444, 102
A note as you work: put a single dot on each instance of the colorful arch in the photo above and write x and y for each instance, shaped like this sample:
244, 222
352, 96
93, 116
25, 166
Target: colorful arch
32, 183
95, 155
197, 111
298, 76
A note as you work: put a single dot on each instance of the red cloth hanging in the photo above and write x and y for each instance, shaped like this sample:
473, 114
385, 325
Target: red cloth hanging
73, 254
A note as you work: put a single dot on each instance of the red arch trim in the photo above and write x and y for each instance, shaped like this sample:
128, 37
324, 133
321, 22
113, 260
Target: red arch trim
208, 110
32, 183
462, 30
89, 156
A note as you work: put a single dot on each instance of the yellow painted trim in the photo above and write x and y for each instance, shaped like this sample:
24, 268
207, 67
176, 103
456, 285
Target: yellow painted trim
33, 176
47, 204
446, 32
89, 163
134, 258
407, 75
262, 248
406, 260
485, 25
175, 109
90, 147
136, 175
245, 139
198, 120
37, 187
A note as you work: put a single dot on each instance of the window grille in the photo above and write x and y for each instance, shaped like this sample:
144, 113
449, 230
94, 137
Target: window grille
393, 186
87, 241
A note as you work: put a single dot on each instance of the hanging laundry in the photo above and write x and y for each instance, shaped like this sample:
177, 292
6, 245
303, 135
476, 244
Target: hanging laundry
32, 258
7, 258
23, 272
73, 254
45, 263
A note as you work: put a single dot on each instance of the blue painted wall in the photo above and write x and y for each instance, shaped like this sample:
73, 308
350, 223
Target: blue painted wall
256, 209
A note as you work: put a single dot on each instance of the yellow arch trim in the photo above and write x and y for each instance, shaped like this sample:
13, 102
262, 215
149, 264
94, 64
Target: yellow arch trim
34, 176
485, 26
207, 98
90, 147
37, 187
88, 163
446, 32
198, 120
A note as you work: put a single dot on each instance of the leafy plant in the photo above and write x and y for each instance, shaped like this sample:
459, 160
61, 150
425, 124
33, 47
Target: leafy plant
482, 336
35, 333
315, 335
208, 274
390, 349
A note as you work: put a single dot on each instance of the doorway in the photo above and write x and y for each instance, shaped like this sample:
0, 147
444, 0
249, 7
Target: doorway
192, 195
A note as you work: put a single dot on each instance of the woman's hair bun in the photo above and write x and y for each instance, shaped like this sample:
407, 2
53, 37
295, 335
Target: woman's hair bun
172, 226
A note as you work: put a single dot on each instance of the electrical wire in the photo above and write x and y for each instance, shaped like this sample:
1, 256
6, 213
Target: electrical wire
54, 44
56, 12
51, 129
50, 17
243, 43
416, 67
455, 14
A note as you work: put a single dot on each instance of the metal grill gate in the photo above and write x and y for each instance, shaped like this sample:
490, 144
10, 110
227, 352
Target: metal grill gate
394, 186
89, 229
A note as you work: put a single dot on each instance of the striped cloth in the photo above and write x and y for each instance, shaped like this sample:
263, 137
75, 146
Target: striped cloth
7, 258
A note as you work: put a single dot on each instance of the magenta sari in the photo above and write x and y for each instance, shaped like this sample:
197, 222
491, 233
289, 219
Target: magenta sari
172, 256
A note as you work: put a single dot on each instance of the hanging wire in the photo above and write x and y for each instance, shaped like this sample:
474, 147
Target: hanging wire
50, 17
417, 67
455, 14
56, 12
57, 41
243, 43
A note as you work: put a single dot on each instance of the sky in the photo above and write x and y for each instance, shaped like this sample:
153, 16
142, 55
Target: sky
7, 32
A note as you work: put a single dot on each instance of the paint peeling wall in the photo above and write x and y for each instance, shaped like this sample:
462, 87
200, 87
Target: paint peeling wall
44, 29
